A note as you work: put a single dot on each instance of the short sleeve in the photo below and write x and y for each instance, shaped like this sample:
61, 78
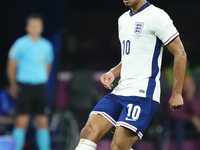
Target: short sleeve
163, 27
15, 51
119, 24
50, 55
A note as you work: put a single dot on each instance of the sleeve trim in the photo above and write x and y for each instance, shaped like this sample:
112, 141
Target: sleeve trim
171, 38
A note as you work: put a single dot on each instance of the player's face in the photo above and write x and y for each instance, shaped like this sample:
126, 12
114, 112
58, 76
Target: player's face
34, 27
131, 3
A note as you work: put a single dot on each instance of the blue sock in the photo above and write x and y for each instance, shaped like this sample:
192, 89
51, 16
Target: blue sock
43, 139
19, 136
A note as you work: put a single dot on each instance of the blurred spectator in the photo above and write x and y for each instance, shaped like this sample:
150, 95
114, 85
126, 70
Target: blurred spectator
196, 110
187, 114
29, 65
83, 95
7, 112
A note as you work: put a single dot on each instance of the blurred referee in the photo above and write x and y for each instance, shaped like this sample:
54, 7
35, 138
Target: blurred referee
29, 65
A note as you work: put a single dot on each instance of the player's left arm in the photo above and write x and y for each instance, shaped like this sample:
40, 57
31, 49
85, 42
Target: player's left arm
49, 66
180, 59
49, 58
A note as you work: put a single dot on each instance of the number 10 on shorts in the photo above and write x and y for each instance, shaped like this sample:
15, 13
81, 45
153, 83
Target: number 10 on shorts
133, 112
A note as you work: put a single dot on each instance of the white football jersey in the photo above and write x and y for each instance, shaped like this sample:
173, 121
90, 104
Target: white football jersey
143, 36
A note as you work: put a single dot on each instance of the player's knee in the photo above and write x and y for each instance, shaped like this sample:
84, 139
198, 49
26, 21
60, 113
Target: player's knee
22, 121
41, 121
42, 125
87, 131
21, 125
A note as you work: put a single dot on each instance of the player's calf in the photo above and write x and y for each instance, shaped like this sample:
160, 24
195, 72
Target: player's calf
88, 132
119, 146
123, 139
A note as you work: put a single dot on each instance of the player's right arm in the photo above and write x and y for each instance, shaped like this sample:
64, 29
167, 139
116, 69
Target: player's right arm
108, 78
180, 59
164, 29
13, 58
11, 71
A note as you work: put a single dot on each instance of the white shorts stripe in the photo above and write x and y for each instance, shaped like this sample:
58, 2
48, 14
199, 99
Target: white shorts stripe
105, 115
124, 124
141, 135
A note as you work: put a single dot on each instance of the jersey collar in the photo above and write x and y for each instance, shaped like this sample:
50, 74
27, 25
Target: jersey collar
142, 8
34, 42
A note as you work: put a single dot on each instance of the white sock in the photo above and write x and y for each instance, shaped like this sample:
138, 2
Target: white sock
85, 144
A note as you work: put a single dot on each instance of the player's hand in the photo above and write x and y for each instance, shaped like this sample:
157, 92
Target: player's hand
12, 91
176, 101
107, 80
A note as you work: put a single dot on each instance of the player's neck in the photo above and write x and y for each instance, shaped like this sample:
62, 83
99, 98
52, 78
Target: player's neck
34, 38
135, 8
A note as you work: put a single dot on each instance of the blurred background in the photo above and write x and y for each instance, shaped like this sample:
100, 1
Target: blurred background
84, 35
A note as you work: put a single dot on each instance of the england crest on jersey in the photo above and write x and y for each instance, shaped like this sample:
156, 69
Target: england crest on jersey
138, 27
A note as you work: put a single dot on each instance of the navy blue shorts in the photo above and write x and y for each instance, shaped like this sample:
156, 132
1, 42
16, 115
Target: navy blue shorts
131, 112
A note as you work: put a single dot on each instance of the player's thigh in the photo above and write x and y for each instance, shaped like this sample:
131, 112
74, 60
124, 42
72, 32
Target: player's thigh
109, 107
40, 109
96, 127
39, 101
23, 100
102, 118
123, 139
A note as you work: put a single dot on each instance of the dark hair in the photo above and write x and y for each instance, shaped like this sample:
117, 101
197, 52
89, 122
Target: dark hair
34, 16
